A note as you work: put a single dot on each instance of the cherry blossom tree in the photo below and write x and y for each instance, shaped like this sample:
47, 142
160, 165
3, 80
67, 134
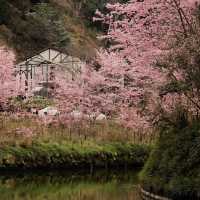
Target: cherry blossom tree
7, 79
140, 33
125, 81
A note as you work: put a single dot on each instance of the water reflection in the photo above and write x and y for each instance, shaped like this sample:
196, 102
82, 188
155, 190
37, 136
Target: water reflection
69, 186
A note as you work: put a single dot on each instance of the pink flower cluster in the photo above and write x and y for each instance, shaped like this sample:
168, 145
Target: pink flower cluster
7, 78
126, 81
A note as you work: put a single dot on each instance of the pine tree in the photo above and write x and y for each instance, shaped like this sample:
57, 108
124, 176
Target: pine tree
53, 23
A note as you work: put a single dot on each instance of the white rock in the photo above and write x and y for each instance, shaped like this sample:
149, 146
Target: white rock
53, 112
76, 114
37, 89
42, 113
101, 117
48, 111
34, 111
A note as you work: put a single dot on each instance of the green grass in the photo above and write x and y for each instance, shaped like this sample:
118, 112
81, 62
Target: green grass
34, 102
72, 155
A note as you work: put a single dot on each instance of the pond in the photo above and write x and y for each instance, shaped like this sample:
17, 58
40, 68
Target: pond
99, 185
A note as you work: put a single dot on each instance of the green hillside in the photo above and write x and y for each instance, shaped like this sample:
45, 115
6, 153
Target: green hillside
30, 26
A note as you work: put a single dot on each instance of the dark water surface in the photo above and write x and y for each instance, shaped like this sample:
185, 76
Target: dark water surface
112, 185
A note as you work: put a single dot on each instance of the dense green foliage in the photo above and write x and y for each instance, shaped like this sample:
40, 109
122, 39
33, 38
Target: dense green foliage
72, 155
53, 24
173, 169
17, 27
31, 26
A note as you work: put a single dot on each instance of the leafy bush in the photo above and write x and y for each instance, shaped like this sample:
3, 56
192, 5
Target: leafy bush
173, 169
34, 102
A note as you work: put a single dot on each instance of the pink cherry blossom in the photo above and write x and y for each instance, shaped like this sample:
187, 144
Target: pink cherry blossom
7, 78
125, 83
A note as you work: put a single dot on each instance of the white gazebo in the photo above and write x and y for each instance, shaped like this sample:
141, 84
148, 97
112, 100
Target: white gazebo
39, 69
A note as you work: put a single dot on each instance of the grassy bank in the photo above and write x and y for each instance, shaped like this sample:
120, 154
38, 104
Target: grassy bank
173, 169
71, 155
29, 144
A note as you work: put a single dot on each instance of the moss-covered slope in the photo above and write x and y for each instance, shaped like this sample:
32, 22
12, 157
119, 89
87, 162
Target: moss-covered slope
173, 169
